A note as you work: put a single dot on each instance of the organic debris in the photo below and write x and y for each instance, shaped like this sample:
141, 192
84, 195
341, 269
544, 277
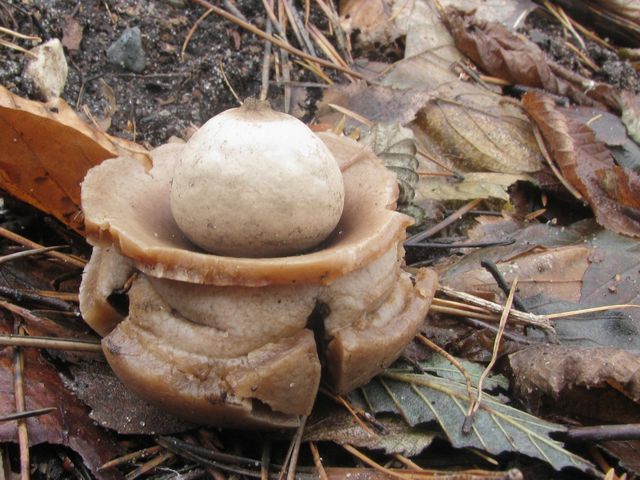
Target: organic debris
512, 131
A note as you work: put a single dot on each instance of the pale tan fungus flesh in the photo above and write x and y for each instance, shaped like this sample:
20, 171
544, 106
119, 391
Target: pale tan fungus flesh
226, 341
128, 207
106, 272
165, 359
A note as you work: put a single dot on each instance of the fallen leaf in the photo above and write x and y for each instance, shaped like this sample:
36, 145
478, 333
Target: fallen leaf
556, 375
422, 398
613, 261
607, 127
612, 192
475, 185
114, 406
45, 151
495, 137
627, 452
518, 60
69, 425
631, 114
554, 273
510, 13
337, 425
72, 33
376, 104
396, 146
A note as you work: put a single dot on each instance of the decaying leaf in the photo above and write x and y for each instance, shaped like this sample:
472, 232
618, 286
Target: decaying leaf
45, 151
612, 277
612, 192
475, 185
97, 386
422, 398
555, 273
493, 136
607, 127
396, 146
617, 18
398, 437
376, 104
578, 378
518, 60
69, 425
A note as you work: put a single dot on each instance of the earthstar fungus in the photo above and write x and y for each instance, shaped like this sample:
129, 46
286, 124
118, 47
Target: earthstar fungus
241, 341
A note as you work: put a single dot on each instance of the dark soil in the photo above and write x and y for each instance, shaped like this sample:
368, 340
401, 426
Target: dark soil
173, 92
550, 36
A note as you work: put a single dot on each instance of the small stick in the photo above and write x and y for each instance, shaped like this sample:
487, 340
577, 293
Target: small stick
18, 392
150, 465
463, 245
286, 76
266, 460
604, 308
18, 48
601, 433
473, 408
298, 27
293, 464
456, 312
453, 361
276, 41
459, 305
350, 113
361, 456
130, 457
55, 343
554, 168
266, 63
28, 253
226, 80
27, 414
22, 36
455, 216
540, 321
407, 462
492, 268
317, 461
35, 297
192, 30
508, 335
582, 56
14, 237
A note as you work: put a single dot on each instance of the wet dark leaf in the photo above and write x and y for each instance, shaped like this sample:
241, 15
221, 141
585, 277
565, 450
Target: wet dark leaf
423, 398
612, 192
69, 425
579, 381
398, 437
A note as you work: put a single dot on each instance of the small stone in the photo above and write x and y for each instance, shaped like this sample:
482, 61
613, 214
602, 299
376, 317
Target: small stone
127, 51
48, 70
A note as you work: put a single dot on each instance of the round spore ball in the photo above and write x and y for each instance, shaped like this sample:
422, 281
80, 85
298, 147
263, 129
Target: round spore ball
253, 182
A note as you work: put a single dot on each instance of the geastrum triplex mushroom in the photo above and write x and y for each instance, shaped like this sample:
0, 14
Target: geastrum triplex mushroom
256, 258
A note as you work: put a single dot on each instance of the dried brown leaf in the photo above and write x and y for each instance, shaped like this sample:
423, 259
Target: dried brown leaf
518, 60
69, 425
337, 425
555, 273
612, 192
98, 387
553, 373
45, 151
376, 104
495, 137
